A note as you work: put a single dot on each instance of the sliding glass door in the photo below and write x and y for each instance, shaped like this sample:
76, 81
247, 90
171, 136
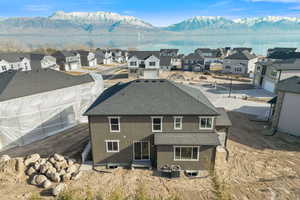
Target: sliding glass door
141, 150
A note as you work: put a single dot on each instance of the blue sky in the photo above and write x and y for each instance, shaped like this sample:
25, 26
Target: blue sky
157, 12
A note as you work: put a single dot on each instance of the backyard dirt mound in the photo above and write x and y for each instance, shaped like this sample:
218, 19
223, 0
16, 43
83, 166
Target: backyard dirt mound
12, 170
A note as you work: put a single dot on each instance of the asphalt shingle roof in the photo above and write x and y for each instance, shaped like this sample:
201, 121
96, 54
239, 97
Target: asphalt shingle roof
186, 139
223, 119
15, 84
14, 57
241, 55
151, 97
290, 85
142, 55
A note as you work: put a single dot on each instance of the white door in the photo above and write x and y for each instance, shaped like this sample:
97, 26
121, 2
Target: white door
269, 86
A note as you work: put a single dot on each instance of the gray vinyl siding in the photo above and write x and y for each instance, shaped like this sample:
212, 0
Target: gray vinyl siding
165, 156
133, 128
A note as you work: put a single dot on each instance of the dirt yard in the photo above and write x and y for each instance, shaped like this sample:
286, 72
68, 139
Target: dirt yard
259, 167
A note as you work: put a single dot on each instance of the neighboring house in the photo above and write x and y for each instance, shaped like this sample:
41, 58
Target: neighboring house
125, 55
45, 61
169, 62
269, 72
210, 56
144, 64
169, 52
279, 51
225, 51
39, 103
117, 55
240, 49
87, 58
241, 62
193, 62
156, 123
67, 60
14, 61
103, 56
286, 114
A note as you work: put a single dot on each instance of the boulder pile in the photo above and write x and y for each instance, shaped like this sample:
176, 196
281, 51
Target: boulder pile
55, 169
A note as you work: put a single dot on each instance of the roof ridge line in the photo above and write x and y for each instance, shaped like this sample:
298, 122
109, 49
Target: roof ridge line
172, 83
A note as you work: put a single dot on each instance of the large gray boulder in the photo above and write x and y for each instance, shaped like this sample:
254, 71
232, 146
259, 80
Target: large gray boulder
59, 165
66, 177
72, 169
55, 177
31, 159
30, 171
4, 158
40, 179
58, 157
58, 189
47, 184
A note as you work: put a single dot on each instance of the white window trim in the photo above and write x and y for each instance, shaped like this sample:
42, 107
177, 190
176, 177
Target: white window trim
212, 123
112, 131
178, 117
106, 144
161, 126
198, 150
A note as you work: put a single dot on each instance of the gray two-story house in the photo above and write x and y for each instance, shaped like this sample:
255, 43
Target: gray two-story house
156, 123
67, 60
144, 64
269, 72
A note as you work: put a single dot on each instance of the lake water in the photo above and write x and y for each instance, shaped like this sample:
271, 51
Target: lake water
260, 42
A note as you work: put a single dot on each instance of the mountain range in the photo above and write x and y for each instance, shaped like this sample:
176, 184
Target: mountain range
107, 22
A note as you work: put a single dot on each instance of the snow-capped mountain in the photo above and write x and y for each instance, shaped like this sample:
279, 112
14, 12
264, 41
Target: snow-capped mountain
202, 22
269, 19
99, 17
